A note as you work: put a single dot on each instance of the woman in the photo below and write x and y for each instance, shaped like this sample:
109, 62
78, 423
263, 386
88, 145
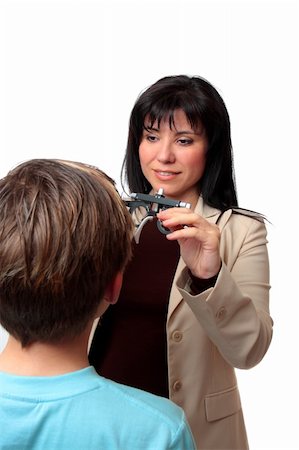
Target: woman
194, 304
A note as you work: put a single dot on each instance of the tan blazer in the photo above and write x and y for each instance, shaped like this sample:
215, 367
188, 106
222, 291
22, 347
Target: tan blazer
223, 327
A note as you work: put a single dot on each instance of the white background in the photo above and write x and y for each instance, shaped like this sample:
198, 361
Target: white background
70, 72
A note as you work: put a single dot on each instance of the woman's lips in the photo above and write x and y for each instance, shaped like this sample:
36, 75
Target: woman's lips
165, 174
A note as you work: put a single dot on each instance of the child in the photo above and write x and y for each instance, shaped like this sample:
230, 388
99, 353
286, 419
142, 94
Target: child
65, 239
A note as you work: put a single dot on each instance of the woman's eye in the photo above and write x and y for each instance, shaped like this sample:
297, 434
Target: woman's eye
151, 138
185, 141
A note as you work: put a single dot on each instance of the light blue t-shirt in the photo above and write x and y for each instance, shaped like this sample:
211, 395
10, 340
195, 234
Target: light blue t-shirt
83, 411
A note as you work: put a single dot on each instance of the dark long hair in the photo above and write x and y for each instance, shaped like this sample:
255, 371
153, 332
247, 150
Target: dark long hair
203, 106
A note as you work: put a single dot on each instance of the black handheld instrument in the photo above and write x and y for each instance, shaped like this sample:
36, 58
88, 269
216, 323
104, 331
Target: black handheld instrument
152, 205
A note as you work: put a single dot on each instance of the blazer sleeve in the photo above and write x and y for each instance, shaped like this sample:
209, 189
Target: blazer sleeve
235, 312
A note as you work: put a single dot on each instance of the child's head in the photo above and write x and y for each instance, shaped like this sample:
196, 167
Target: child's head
65, 233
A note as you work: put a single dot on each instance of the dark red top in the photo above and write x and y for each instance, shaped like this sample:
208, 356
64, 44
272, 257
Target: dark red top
129, 345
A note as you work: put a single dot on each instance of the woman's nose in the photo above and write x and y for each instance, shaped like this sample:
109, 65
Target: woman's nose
165, 152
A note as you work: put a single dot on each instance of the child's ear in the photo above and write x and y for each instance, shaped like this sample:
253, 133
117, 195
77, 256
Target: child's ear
111, 294
113, 289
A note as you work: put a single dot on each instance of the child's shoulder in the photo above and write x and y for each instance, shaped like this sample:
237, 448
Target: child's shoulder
146, 402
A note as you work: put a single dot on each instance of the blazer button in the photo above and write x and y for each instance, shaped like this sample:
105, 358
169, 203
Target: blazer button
177, 385
177, 336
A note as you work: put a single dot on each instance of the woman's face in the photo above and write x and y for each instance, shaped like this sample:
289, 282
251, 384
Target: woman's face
174, 158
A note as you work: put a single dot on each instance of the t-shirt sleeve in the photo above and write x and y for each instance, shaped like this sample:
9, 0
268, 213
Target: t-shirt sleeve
183, 439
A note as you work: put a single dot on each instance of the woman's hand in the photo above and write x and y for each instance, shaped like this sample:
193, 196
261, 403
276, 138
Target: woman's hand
198, 239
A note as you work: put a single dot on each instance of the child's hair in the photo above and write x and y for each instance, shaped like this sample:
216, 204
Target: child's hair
64, 235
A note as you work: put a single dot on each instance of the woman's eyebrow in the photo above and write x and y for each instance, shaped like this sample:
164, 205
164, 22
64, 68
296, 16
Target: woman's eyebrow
177, 132
185, 132
148, 127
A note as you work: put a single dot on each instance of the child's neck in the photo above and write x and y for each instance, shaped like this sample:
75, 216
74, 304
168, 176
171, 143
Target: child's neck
40, 359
